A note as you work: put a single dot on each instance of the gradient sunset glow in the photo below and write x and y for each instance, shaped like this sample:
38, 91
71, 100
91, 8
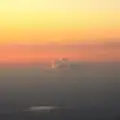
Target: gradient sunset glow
36, 22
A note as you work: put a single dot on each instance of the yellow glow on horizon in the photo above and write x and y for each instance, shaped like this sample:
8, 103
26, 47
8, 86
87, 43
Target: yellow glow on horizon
37, 21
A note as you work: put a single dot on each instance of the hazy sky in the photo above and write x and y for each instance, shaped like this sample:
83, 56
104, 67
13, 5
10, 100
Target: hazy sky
42, 21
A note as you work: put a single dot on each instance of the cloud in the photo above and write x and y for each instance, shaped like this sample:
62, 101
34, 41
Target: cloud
41, 108
61, 63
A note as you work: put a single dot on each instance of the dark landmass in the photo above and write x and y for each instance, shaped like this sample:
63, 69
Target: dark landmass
86, 91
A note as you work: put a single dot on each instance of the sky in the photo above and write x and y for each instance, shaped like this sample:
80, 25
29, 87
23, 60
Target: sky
62, 21
33, 22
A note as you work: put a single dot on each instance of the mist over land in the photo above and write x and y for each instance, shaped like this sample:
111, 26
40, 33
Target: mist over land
89, 90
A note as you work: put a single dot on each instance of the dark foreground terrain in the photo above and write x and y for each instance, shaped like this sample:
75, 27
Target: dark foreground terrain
88, 91
63, 114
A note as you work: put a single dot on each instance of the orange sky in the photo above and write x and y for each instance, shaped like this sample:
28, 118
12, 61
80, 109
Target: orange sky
59, 21
47, 53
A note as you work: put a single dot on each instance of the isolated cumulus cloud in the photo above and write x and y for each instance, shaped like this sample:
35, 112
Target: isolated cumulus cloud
61, 63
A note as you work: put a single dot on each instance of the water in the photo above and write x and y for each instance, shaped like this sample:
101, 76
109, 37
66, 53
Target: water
87, 91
